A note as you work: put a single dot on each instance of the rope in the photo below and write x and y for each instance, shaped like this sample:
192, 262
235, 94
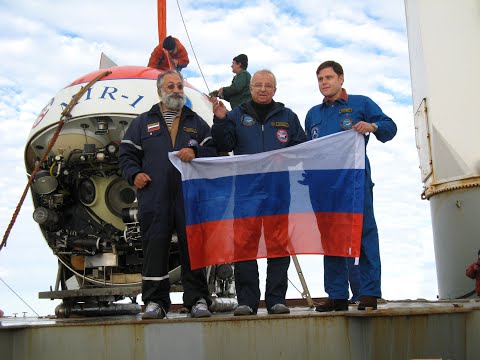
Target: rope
302, 294
191, 45
466, 295
171, 64
65, 116
19, 296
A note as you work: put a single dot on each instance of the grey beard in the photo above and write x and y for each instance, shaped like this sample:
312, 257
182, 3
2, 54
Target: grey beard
173, 101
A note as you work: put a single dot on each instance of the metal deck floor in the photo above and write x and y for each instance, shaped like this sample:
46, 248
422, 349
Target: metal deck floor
397, 330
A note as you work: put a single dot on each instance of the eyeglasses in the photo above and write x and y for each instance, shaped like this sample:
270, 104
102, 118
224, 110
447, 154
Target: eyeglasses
172, 86
260, 86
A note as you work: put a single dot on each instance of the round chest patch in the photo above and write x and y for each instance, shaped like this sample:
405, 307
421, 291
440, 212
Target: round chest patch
248, 120
346, 123
282, 135
192, 142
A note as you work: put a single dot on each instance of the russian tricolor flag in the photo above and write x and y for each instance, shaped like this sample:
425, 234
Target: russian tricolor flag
305, 199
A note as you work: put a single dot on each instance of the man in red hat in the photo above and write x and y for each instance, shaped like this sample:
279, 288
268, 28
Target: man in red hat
171, 54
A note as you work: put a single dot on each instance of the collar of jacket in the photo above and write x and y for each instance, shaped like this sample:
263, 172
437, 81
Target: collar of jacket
186, 111
342, 99
247, 108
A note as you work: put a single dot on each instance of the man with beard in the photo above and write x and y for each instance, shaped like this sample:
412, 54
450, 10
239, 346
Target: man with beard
167, 126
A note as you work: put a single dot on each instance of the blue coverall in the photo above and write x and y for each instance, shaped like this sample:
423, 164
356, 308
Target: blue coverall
145, 148
243, 133
325, 119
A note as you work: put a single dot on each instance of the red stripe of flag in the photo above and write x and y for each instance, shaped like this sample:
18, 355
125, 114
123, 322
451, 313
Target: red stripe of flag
226, 241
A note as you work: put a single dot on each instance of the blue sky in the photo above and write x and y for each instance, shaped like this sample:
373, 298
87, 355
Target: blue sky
43, 49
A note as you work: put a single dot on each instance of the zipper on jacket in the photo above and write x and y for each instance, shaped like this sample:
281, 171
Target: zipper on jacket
172, 147
263, 138
178, 132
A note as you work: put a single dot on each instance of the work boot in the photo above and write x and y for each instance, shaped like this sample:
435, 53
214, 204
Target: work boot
279, 309
367, 302
200, 310
154, 311
333, 305
243, 310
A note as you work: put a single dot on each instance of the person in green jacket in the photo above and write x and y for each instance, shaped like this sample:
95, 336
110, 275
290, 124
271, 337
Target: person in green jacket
239, 91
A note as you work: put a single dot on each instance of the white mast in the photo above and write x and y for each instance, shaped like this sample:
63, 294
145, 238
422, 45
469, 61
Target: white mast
444, 46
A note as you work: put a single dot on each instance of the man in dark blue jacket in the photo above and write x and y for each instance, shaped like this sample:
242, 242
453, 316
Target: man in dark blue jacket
167, 126
340, 111
259, 125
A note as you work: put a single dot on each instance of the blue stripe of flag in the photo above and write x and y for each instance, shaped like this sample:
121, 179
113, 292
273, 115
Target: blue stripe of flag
276, 193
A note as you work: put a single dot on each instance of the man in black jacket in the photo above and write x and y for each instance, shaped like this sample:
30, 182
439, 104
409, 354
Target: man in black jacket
167, 126
256, 126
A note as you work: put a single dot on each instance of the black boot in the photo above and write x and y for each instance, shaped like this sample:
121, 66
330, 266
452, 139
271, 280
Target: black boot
367, 302
332, 305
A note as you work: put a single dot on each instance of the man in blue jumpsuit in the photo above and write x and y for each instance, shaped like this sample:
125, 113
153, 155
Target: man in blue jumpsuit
259, 125
353, 280
167, 126
340, 112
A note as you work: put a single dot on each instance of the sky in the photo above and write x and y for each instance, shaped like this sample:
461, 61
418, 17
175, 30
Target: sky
46, 45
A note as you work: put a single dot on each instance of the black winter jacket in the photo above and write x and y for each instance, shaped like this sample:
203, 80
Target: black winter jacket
145, 148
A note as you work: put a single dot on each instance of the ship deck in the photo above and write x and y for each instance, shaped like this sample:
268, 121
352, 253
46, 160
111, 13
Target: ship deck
417, 329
